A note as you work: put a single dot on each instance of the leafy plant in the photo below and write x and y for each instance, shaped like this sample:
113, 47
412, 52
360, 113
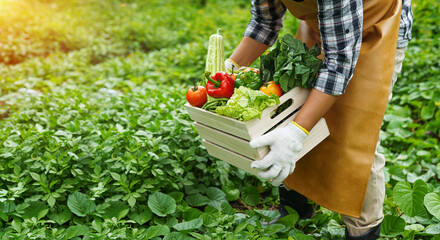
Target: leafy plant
291, 63
97, 145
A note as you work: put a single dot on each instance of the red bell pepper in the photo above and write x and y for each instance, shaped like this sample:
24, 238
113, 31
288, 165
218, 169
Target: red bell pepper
220, 85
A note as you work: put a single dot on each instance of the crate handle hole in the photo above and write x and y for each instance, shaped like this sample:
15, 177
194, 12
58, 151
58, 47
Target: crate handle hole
281, 108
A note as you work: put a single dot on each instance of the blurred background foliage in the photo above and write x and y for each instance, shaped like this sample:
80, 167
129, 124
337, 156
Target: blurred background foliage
117, 67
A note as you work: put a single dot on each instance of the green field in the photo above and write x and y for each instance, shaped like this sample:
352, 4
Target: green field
95, 142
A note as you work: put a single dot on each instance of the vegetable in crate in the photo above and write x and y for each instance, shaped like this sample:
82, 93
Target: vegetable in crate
221, 85
291, 64
249, 79
247, 104
196, 96
270, 88
213, 103
215, 59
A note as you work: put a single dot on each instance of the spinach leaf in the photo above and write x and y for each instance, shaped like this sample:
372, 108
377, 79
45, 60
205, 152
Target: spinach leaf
291, 63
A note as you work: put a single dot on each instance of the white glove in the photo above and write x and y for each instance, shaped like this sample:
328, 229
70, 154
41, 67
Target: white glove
231, 65
285, 144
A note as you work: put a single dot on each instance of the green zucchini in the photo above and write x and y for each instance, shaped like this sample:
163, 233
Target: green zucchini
215, 60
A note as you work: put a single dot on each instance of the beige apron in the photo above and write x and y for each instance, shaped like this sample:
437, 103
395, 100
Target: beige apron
335, 174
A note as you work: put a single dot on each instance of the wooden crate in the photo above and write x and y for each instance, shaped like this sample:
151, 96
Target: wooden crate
228, 139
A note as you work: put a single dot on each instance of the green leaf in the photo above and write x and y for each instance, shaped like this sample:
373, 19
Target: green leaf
116, 176
216, 197
21, 207
274, 228
161, 204
141, 214
191, 213
197, 200
80, 204
51, 201
155, 231
302, 236
178, 196
432, 203
250, 195
247, 104
334, 228
97, 225
131, 201
7, 206
209, 220
291, 219
189, 225
410, 200
76, 231
433, 229
232, 193
240, 227
177, 236
35, 176
36, 209
415, 227
61, 214
268, 215
427, 112
3, 216
397, 173
16, 225
392, 226
117, 209
227, 208
409, 235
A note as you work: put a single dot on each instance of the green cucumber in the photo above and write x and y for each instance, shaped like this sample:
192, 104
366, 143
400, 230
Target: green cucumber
215, 59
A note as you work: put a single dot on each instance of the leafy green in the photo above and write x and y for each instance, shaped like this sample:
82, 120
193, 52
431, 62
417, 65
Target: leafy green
141, 214
410, 200
76, 231
291, 63
80, 204
188, 226
392, 226
94, 95
246, 104
155, 231
250, 195
161, 204
432, 203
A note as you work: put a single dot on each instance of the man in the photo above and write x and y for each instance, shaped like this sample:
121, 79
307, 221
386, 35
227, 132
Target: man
359, 40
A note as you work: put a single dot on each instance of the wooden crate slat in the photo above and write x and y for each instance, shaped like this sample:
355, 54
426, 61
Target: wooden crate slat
257, 127
230, 157
229, 141
317, 134
226, 124
253, 128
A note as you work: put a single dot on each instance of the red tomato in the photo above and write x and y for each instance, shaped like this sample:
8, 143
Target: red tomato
272, 88
196, 96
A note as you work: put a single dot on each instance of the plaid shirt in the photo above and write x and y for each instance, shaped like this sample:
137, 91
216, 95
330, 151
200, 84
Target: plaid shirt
340, 25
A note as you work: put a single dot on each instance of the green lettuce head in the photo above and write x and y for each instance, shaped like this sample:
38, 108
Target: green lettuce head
247, 104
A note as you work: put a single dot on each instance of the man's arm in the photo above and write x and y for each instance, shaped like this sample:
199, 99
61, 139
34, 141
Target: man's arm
248, 51
340, 25
316, 105
261, 32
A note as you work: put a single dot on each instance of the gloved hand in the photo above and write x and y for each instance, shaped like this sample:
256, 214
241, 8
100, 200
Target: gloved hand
231, 65
285, 144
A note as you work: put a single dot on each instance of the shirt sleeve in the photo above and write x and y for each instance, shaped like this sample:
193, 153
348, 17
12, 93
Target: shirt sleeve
266, 22
340, 25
